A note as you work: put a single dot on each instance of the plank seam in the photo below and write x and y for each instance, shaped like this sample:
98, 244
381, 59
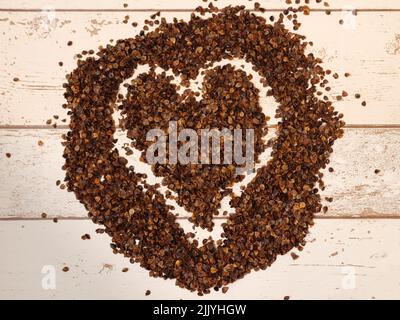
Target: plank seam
273, 126
191, 10
363, 217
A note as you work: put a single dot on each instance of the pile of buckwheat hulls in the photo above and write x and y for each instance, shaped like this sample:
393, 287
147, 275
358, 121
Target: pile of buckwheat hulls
229, 100
274, 212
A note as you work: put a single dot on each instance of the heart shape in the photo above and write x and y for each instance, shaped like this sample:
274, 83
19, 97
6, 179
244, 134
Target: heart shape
276, 209
228, 100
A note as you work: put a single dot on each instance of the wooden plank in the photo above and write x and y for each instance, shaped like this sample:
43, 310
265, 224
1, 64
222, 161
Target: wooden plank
38, 95
179, 4
354, 182
344, 259
28, 178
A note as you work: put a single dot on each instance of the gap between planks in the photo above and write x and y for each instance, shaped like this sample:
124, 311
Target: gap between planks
189, 10
318, 217
274, 126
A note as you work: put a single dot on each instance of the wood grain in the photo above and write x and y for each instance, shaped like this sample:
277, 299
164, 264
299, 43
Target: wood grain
28, 178
34, 43
179, 4
369, 249
34, 36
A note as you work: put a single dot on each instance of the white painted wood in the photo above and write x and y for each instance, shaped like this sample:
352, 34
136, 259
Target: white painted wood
34, 43
354, 185
28, 178
179, 4
369, 249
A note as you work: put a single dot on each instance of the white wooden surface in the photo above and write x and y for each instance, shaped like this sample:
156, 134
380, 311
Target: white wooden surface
360, 230
33, 46
30, 175
367, 249
183, 4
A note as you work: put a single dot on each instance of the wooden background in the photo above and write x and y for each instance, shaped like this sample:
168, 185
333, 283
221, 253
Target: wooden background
353, 250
